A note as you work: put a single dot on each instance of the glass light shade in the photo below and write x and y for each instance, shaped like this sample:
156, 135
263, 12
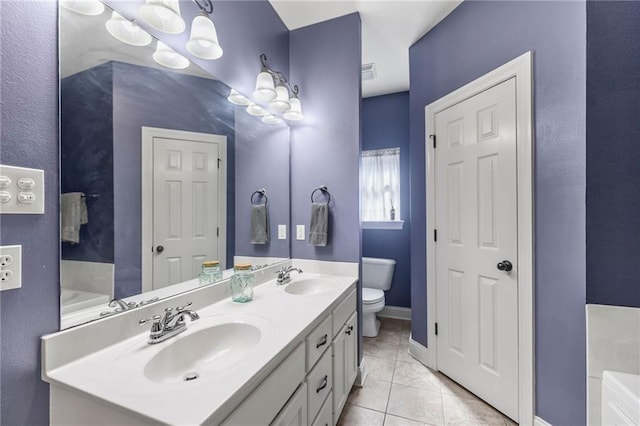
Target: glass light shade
167, 57
281, 102
264, 87
256, 110
237, 99
126, 31
271, 119
163, 15
295, 113
203, 41
84, 7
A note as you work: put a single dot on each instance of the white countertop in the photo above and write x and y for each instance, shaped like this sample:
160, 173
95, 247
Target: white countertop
285, 319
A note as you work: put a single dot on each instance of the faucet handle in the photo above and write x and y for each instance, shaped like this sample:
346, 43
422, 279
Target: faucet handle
182, 308
156, 326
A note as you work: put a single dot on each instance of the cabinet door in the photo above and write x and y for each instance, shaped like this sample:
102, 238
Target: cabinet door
294, 412
340, 375
351, 351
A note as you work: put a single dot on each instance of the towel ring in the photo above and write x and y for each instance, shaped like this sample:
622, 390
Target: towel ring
262, 192
323, 189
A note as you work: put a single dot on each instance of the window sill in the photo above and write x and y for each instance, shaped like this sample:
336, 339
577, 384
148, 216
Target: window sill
383, 224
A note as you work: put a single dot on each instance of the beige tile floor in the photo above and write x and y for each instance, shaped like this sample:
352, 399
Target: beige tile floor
400, 391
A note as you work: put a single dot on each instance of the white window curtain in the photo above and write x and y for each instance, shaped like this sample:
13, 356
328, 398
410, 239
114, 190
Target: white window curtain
380, 190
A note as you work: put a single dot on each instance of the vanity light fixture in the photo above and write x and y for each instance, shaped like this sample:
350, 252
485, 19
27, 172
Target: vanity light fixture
127, 31
256, 110
84, 7
238, 99
203, 41
271, 119
272, 86
167, 57
163, 15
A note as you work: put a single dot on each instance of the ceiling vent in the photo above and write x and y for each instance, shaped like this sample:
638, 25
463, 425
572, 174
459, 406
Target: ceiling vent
369, 72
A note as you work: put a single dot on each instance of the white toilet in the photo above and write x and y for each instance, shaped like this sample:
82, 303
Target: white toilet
376, 279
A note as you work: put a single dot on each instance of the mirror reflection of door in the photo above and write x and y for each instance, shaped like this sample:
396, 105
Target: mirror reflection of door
185, 213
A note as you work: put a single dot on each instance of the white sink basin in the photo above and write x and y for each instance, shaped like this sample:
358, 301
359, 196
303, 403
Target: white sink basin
211, 347
211, 350
305, 285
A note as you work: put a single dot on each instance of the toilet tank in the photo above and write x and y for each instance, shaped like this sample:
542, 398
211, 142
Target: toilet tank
377, 273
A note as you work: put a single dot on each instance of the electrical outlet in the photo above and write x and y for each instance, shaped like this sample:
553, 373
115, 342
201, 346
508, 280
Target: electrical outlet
10, 267
282, 232
300, 232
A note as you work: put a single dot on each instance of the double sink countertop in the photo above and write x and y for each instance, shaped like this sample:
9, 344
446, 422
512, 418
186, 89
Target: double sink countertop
231, 349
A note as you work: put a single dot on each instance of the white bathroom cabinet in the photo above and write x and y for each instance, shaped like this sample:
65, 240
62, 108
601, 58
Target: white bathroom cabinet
345, 362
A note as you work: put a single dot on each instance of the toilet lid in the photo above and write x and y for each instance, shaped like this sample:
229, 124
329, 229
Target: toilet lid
372, 295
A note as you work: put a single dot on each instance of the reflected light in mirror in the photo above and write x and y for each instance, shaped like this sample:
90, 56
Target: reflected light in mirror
167, 57
264, 87
295, 113
163, 15
203, 41
271, 119
126, 31
256, 110
238, 99
84, 7
281, 102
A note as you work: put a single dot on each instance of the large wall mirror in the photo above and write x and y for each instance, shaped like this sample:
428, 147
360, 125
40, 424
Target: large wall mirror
158, 171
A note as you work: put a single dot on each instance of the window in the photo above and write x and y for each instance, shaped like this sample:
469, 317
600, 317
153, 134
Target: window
380, 188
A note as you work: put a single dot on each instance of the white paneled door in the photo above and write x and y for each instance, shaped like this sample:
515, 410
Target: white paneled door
476, 246
186, 208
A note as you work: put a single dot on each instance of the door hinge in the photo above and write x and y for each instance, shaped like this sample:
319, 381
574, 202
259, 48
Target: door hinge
436, 329
433, 139
435, 235
217, 232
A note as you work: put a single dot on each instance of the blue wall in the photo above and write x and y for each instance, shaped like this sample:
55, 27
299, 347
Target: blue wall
86, 158
613, 153
29, 138
385, 124
474, 39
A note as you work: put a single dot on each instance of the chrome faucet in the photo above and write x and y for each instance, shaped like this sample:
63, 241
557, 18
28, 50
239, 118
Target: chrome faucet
170, 324
284, 274
121, 305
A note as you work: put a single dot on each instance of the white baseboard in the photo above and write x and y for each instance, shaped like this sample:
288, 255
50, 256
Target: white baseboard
420, 353
537, 421
396, 312
362, 374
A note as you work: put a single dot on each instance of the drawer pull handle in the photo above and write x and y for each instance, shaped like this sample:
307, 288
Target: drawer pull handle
323, 385
322, 342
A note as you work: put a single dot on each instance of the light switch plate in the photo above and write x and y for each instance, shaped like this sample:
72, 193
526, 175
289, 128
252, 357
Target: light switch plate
10, 267
22, 190
282, 232
300, 232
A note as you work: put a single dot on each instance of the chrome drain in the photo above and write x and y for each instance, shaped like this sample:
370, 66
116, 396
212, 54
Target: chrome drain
190, 376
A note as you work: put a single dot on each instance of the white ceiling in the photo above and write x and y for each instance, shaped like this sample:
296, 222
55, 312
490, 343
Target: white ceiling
389, 28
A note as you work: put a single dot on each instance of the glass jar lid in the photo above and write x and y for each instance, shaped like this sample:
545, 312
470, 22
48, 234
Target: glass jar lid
242, 266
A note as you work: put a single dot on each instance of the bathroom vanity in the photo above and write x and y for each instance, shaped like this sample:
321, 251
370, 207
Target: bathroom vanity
289, 357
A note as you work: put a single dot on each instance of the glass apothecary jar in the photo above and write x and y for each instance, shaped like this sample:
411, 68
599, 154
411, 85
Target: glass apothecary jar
242, 282
211, 272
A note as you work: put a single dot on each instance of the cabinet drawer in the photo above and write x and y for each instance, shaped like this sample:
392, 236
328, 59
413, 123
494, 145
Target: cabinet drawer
319, 385
325, 416
343, 311
318, 341
268, 398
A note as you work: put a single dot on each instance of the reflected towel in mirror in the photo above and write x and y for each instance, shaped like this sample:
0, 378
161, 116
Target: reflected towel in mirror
73, 214
319, 226
259, 224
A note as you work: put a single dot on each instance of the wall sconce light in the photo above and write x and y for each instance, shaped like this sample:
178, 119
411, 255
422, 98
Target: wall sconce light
84, 7
256, 110
127, 31
271, 119
163, 15
238, 99
167, 57
273, 87
203, 41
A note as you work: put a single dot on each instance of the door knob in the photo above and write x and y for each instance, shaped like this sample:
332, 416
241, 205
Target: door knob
159, 249
505, 265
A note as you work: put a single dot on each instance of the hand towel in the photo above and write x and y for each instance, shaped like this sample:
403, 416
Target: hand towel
319, 227
73, 215
259, 224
